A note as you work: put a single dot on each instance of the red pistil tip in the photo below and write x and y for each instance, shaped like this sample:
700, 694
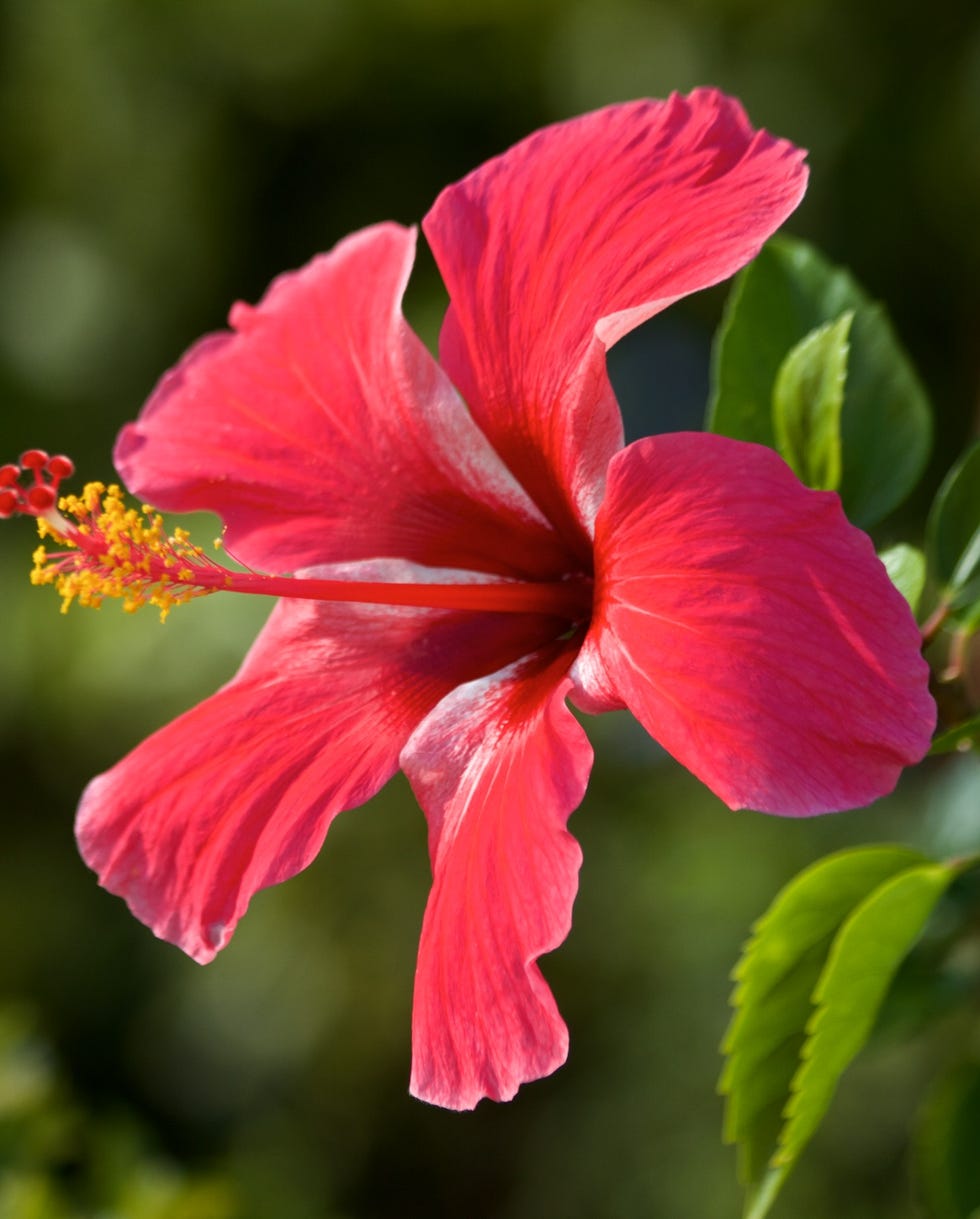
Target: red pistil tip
30, 487
40, 499
61, 467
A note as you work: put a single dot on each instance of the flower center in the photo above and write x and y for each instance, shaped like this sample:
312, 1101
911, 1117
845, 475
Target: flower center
106, 549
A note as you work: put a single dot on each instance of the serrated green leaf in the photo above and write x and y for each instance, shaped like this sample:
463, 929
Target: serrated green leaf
947, 1166
806, 403
775, 980
953, 530
867, 951
886, 426
906, 567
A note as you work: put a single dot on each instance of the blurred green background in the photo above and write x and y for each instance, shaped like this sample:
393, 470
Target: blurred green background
161, 158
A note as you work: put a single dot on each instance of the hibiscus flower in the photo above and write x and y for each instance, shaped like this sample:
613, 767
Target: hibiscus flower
464, 548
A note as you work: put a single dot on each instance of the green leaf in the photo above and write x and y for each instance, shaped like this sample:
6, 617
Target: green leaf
775, 980
963, 736
863, 960
906, 567
946, 1161
807, 400
788, 291
953, 531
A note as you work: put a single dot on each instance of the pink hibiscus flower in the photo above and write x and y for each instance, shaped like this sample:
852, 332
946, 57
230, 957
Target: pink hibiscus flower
463, 549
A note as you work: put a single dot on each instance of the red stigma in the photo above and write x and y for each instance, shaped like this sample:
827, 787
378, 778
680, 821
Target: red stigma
61, 467
40, 499
30, 487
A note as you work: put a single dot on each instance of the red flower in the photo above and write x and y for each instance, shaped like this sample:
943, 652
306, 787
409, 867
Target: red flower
514, 555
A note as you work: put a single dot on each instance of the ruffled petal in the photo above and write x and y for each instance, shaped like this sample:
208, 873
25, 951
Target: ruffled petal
498, 767
752, 629
239, 792
321, 430
554, 250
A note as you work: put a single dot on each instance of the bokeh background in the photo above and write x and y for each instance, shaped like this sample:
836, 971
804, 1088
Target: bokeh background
161, 158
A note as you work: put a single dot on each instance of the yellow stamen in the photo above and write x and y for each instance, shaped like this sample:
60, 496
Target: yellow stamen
108, 550
115, 551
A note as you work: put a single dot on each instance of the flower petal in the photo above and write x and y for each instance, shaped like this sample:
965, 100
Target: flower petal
321, 430
498, 767
239, 792
554, 250
752, 629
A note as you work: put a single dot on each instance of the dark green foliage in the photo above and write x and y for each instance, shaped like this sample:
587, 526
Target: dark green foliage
785, 317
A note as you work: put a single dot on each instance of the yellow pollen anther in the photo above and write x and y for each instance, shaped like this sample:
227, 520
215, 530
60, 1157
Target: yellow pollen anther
109, 550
